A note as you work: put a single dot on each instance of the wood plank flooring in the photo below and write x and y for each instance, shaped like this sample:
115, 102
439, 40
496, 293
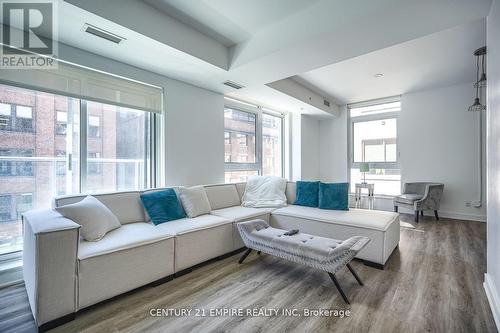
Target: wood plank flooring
432, 283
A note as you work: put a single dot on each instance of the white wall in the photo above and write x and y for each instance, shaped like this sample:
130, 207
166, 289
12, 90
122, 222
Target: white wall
194, 123
194, 136
492, 277
438, 141
310, 148
296, 147
333, 148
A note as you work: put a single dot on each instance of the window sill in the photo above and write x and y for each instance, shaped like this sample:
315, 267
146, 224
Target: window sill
376, 196
11, 265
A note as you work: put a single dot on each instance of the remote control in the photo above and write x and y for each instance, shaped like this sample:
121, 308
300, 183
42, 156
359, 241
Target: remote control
291, 232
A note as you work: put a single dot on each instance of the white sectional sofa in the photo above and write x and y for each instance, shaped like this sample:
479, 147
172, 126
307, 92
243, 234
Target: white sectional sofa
64, 273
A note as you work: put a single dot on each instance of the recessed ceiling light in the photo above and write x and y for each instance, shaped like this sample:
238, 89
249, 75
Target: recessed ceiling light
379, 75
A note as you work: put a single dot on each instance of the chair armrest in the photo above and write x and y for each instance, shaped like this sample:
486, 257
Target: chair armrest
432, 197
50, 264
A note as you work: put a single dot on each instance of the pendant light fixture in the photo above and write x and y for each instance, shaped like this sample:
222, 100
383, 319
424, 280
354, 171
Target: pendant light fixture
480, 82
480, 53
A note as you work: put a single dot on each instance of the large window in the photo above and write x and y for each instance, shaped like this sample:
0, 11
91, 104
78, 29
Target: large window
373, 139
124, 164
272, 145
241, 129
54, 145
253, 144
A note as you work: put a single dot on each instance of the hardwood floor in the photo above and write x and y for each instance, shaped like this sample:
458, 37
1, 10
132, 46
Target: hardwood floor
433, 283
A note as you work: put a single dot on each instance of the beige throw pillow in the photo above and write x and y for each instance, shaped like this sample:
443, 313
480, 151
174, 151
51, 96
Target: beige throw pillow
95, 218
194, 200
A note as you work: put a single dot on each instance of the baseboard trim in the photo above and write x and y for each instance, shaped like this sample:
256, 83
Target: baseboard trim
492, 296
450, 215
463, 216
385, 203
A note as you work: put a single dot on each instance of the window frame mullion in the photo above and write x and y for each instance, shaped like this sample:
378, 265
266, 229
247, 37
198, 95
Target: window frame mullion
258, 140
282, 139
83, 145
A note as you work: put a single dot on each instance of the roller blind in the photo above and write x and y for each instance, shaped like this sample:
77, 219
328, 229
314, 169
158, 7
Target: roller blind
88, 84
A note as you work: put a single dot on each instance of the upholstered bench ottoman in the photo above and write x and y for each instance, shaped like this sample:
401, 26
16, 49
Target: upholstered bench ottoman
322, 253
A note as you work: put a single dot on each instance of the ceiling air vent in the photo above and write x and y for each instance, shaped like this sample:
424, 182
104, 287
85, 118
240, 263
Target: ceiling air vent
233, 85
326, 103
93, 30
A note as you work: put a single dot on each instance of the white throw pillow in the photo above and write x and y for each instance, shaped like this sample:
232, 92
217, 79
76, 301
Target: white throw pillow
194, 200
264, 191
95, 218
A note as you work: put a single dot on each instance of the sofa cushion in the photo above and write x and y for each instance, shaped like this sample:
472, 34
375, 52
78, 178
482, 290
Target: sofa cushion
124, 266
194, 200
307, 194
239, 213
195, 245
199, 239
94, 217
240, 187
408, 199
128, 236
334, 196
222, 196
187, 225
362, 218
290, 192
126, 206
162, 206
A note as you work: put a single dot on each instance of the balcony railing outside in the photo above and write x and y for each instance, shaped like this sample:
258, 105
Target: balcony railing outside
43, 178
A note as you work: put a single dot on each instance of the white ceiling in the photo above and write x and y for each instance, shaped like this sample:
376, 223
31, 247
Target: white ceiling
137, 50
230, 21
255, 43
439, 59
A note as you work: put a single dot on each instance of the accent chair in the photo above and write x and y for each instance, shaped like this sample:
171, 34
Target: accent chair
419, 197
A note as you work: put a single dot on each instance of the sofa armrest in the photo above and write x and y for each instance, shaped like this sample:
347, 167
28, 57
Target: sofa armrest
50, 264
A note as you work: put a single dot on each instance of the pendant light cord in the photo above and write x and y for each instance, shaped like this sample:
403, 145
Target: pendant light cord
483, 63
477, 77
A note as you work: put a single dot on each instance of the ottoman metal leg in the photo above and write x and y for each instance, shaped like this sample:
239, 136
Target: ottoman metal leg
355, 275
339, 288
245, 255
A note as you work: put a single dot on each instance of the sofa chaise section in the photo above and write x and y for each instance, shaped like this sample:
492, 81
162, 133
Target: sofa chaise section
381, 227
225, 201
239, 214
